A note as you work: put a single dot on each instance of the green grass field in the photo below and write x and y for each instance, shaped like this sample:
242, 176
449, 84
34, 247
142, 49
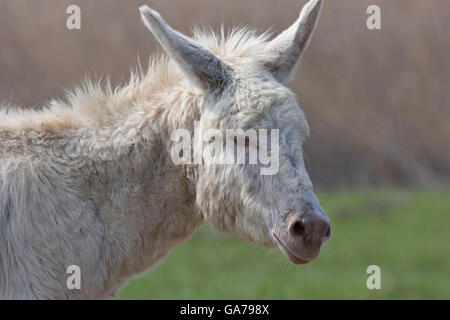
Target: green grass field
406, 233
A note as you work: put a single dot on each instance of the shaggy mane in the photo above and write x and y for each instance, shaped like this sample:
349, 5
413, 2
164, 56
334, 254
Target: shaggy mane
93, 102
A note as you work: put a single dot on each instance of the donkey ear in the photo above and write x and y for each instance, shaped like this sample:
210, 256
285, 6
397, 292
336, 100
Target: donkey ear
288, 47
202, 66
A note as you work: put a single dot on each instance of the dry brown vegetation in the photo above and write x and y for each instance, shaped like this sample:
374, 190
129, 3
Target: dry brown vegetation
377, 101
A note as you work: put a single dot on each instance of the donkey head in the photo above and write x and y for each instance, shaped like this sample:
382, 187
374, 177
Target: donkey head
248, 92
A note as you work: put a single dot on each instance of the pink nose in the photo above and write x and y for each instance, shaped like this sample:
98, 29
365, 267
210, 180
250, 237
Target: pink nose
310, 228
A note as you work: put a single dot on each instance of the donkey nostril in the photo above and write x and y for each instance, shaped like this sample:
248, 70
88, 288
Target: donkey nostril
298, 229
328, 234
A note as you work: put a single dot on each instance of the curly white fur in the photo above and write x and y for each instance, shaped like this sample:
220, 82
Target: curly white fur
89, 181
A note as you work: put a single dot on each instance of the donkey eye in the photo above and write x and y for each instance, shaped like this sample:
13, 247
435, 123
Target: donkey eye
246, 142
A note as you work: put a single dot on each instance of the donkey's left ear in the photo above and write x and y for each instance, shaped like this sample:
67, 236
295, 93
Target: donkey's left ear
202, 66
288, 47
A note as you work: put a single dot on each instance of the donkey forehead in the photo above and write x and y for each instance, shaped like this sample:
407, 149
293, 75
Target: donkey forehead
264, 103
258, 90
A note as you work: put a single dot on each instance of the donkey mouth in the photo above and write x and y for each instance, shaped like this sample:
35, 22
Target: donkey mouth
293, 257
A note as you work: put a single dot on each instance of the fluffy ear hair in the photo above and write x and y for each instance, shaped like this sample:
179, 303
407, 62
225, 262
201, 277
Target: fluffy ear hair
202, 66
289, 46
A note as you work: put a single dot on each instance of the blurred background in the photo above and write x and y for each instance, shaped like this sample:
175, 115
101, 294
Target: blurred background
377, 102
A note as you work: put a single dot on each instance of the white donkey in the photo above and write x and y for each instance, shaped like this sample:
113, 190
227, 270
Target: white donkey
90, 182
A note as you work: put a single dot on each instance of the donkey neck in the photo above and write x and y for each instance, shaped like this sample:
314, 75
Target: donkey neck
151, 190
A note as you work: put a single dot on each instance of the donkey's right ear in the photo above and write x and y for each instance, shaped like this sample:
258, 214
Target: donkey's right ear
202, 66
290, 45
